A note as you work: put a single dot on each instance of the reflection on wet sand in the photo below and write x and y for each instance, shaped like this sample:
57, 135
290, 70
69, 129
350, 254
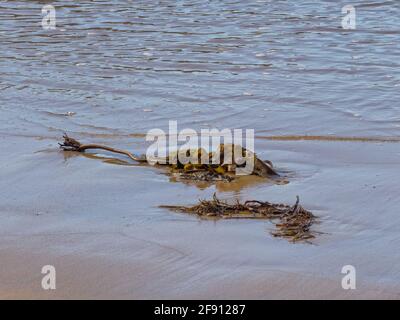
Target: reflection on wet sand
236, 185
103, 158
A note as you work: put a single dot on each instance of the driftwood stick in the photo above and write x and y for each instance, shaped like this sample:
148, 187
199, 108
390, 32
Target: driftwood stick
71, 144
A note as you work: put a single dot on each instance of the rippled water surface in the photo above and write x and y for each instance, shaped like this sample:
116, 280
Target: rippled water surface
280, 67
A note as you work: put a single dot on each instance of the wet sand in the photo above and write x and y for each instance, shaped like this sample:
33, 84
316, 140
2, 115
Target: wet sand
101, 278
99, 225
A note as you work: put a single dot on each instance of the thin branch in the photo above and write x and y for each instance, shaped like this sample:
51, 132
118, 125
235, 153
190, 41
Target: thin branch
71, 144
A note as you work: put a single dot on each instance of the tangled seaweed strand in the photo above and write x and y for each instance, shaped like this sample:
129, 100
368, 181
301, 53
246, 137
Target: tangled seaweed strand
294, 221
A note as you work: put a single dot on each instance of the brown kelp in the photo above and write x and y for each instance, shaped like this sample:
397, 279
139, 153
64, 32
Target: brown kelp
291, 222
223, 170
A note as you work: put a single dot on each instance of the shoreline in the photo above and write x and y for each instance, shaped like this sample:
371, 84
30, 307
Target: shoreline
283, 138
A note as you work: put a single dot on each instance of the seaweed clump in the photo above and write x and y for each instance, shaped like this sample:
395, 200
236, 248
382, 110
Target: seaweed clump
222, 170
292, 222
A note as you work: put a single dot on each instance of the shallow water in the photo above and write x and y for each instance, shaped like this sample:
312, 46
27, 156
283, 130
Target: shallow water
280, 67
322, 100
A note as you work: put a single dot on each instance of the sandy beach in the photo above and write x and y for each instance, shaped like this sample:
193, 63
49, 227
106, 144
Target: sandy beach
107, 238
